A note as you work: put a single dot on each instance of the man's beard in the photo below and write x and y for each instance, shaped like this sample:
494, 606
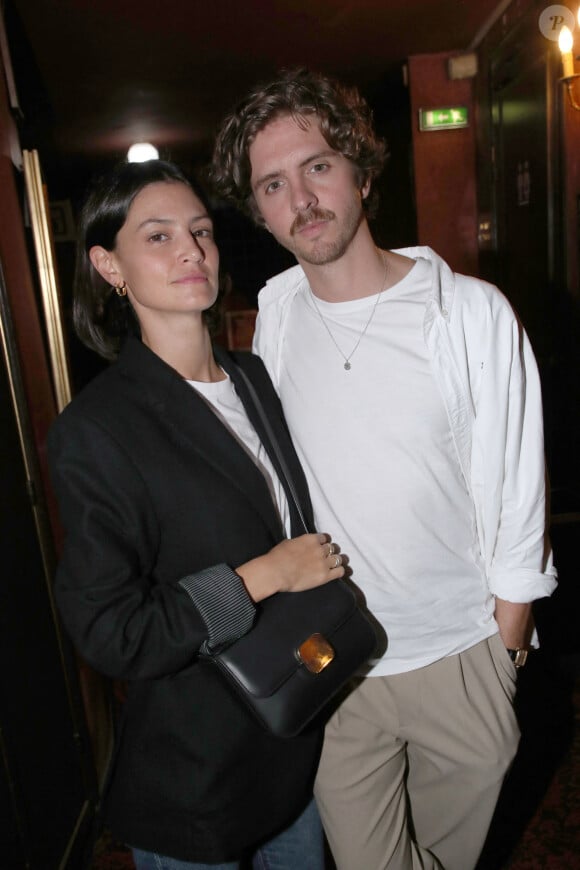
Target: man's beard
320, 253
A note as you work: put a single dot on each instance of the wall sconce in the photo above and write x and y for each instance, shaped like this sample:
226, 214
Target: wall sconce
566, 45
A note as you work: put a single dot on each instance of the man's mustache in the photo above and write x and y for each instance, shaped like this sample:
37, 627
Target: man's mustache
304, 218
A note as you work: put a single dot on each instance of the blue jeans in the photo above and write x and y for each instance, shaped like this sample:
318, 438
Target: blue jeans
299, 847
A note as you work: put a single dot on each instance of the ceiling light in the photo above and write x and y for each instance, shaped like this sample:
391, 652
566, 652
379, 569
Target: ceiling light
141, 151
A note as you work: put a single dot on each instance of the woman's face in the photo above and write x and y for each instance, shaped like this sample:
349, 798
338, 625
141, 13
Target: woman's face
166, 253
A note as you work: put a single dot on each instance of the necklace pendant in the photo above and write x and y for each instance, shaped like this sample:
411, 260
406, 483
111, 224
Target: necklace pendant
346, 365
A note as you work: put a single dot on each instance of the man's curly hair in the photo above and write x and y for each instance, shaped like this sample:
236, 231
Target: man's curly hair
345, 122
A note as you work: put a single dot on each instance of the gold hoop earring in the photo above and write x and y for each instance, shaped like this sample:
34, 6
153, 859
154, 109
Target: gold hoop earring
121, 289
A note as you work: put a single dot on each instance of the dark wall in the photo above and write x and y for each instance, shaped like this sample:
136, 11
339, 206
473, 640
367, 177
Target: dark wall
444, 164
44, 779
523, 146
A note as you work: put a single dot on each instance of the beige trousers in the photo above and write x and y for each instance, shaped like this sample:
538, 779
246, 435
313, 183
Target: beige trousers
413, 763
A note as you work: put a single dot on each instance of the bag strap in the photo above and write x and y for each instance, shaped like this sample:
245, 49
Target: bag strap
275, 446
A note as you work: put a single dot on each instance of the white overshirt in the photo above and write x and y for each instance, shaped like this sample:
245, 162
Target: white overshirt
441, 547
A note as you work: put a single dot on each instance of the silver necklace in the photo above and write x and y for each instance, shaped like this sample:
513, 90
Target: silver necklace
347, 365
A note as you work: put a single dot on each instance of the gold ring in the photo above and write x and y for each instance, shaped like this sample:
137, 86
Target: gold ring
337, 561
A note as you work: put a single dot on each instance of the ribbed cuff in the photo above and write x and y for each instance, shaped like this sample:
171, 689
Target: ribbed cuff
225, 606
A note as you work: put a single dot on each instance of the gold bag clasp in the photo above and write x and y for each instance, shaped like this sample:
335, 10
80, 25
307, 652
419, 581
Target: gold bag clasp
315, 653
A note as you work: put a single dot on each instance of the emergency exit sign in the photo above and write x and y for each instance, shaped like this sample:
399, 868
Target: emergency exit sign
447, 118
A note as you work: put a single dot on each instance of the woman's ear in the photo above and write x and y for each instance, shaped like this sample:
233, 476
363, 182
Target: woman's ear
103, 261
365, 189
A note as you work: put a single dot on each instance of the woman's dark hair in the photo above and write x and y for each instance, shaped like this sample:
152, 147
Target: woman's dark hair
102, 319
345, 122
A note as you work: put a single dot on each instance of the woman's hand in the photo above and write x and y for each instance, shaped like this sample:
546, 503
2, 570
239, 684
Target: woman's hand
292, 566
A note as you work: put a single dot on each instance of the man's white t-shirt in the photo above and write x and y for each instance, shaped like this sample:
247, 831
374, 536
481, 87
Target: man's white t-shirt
384, 477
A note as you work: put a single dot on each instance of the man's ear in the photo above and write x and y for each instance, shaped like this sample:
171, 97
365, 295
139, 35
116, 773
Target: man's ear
103, 261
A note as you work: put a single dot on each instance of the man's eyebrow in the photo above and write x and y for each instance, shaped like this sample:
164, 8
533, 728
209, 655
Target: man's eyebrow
268, 177
329, 152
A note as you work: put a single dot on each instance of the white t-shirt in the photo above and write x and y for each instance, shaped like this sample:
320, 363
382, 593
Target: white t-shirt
228, 407
384, 477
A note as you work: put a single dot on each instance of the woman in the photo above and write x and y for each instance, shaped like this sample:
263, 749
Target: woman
176, 523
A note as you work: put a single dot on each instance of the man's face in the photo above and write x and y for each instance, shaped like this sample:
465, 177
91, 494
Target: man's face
306, 193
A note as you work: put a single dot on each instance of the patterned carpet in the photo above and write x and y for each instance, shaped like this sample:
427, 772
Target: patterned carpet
537, 821
111, 856
551, 840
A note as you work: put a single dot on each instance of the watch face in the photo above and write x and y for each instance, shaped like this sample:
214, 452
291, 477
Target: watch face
519, 657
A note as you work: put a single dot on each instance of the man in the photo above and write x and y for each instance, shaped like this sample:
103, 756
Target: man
413, 399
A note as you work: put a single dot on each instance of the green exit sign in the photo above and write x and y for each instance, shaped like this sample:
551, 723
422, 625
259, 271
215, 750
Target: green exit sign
447, 118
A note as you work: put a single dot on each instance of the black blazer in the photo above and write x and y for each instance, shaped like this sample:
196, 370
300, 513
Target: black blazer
152, 488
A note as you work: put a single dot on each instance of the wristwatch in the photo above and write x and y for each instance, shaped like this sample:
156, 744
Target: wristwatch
518, 656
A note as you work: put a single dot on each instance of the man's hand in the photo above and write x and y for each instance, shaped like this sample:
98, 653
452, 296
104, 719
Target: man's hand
515, 622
